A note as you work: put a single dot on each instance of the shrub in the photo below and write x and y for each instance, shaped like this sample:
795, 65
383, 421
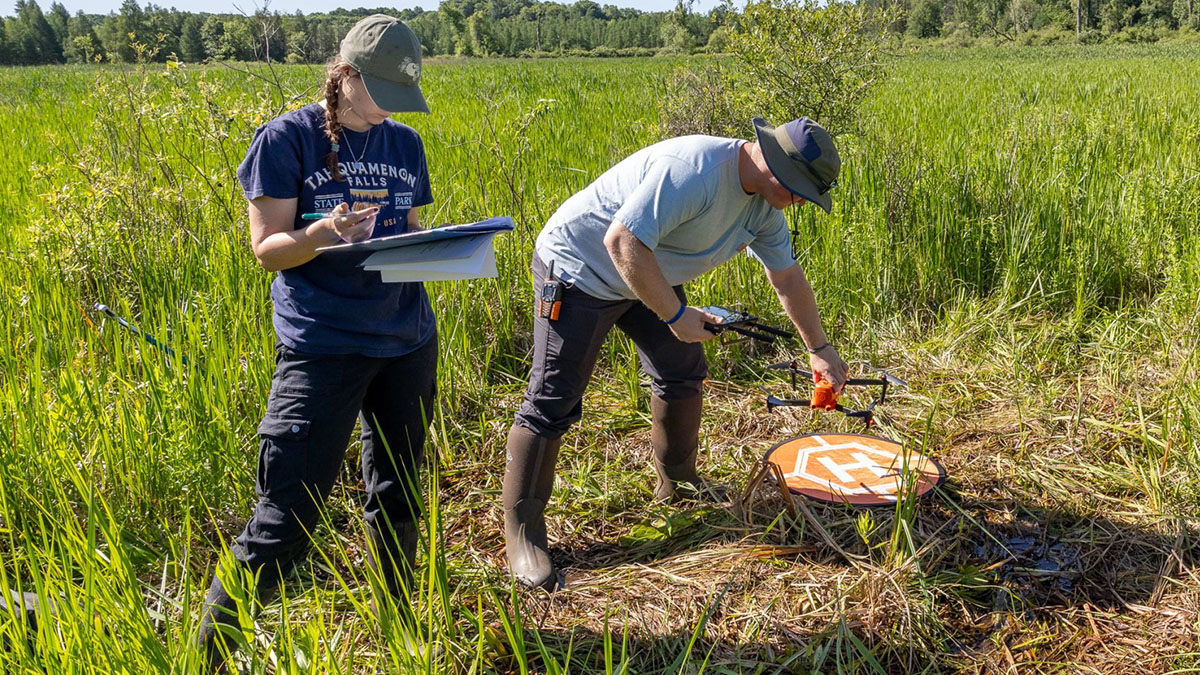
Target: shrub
958, 36
702, 101
791, 59
1135, 34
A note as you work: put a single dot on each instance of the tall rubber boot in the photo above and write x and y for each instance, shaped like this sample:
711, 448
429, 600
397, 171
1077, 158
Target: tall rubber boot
675, 436
528, 482
219, 614
393, 555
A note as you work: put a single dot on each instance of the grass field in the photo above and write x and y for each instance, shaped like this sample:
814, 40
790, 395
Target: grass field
1016, 233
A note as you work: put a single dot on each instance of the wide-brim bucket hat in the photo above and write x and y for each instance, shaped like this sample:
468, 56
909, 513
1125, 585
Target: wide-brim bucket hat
802, 157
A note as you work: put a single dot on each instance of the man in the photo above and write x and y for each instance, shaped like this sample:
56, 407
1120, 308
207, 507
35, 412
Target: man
617, 253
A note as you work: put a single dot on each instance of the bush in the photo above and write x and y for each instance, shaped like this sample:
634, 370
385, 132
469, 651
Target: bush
1050, 35
1137, 34
958, 35
704, 102
1186, 35
718, 41
791, 59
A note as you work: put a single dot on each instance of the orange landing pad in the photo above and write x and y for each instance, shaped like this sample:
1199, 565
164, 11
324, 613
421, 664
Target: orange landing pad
852, 468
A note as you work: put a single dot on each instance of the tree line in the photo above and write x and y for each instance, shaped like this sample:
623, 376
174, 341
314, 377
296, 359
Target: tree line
1033, 21
530, 28
458, 27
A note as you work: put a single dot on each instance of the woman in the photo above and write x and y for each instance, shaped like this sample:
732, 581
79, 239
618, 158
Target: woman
349, 346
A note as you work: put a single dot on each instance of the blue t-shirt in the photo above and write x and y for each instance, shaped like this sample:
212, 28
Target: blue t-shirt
330, 305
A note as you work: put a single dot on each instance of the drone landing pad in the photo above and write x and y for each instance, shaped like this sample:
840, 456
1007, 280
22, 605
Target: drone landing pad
853, 468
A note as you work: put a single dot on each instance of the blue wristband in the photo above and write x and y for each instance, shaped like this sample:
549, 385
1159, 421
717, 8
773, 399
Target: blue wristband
678, 314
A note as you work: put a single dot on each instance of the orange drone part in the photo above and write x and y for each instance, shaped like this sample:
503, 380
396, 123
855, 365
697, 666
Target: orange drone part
824, 397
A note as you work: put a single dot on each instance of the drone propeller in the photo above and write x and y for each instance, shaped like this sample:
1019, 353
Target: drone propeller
795, 368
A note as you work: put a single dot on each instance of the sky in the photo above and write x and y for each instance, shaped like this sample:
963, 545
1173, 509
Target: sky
309, 6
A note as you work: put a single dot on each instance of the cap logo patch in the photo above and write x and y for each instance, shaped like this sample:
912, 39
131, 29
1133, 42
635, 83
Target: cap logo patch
410, 68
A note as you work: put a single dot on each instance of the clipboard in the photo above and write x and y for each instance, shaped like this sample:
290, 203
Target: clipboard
490, 225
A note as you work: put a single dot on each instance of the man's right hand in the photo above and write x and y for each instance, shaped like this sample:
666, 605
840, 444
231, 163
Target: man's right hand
690, 326
829, 364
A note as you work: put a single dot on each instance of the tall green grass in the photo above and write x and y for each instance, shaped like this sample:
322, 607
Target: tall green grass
988, 189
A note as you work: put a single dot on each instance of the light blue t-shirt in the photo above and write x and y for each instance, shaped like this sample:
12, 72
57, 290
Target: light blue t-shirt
681, 198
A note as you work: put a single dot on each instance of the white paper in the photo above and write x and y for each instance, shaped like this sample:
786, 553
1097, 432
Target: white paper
481, 265
438, 253
497, 224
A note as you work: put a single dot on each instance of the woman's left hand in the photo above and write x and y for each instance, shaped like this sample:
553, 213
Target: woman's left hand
352, 226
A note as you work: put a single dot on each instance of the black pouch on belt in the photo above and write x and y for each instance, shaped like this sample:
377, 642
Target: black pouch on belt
550, 296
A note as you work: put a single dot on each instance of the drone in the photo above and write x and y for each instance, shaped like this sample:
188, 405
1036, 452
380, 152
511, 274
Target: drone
834, 468
859, 469
825, 397
743, 323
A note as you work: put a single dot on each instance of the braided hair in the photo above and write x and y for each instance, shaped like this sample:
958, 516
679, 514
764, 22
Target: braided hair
333, 129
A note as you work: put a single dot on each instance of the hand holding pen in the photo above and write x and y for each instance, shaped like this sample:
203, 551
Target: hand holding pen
350, 226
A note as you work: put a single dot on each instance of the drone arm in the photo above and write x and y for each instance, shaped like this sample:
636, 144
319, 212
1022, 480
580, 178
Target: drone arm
776, 402
866, 382
772, 330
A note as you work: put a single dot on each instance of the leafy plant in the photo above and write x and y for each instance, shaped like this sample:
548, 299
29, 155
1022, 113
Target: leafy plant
790, 59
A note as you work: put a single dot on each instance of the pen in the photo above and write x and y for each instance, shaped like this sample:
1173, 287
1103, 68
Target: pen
318, 216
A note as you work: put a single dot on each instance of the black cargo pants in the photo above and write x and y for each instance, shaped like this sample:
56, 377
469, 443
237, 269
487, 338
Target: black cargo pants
314, 402
565, 352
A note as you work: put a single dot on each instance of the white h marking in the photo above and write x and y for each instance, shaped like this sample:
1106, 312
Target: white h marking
842, 471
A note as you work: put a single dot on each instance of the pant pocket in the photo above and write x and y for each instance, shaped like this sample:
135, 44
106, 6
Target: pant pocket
283, 450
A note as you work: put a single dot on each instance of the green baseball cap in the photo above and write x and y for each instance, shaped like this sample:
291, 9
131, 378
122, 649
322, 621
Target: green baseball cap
802, 156
387, 54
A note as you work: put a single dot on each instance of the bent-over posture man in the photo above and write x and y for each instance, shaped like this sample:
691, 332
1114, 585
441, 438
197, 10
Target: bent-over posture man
620, 251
